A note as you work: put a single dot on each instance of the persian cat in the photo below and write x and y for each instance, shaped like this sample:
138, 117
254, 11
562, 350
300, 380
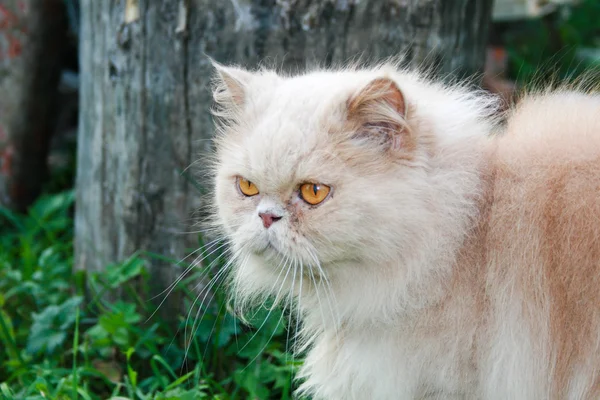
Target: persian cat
428, 252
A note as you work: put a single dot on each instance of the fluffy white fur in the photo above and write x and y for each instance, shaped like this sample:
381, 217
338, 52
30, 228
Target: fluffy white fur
390, 275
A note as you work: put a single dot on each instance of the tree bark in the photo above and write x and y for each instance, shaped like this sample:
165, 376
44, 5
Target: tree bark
145, 95
33, 35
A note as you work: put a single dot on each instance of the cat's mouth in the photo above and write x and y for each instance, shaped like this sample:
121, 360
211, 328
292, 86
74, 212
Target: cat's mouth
268, 248
272, 252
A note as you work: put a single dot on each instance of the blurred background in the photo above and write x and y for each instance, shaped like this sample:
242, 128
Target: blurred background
109, 288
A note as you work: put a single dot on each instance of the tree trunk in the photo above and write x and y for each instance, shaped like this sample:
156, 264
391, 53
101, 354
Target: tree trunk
33, 35
145, 95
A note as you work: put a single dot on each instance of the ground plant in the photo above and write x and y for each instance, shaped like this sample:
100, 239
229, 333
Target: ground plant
65, 335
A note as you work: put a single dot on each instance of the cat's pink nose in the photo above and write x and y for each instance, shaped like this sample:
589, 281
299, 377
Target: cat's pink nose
268, 218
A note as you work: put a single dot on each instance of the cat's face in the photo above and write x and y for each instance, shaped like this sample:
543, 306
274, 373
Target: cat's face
299, 178
325, 169
362, 181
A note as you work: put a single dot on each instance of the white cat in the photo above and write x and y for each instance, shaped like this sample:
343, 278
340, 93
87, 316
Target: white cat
426, 256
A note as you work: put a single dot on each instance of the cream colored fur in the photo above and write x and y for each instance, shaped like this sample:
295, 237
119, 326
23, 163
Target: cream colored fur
449, 263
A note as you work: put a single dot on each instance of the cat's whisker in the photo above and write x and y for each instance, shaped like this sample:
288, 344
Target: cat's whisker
205, 291
196, 299
323, 240
271, 308
197, 320
288, 268
199, 231
208, 289
316, 286
185, 272
236, 307
291, 303
240, 307
299, 306
188, 268
212, 329
208, 268
329, 292
265, 345
172, 286
210, 251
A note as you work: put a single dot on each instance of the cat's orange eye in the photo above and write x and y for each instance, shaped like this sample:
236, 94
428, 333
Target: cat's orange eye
246, 187
314, 193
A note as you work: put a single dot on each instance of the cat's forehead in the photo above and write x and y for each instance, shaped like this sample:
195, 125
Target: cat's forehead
286, 135
300, 100
279, 152
289, 133
316, 90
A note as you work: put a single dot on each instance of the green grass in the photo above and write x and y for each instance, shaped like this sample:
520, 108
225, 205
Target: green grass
61, 338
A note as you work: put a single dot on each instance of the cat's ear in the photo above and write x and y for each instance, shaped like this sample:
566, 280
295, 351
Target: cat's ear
380, 109
231, 85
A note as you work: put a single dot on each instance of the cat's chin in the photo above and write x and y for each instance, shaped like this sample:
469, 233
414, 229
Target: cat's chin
268, 251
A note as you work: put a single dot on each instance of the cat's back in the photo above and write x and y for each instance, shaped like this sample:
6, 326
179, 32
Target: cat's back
547, 164
544, 241
553, 129
547, 167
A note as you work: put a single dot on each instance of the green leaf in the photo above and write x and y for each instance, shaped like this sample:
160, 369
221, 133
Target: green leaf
13, 218
49, 329
250, 381
128, 311
48, 206
118, 274
121, 337
7, 337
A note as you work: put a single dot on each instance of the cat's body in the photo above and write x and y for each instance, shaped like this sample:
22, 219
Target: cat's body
445, 262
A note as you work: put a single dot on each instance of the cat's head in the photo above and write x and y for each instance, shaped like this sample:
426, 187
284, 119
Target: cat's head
327, 169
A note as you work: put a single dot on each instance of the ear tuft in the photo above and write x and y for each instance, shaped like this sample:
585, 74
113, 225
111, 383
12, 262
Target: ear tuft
230, 85
379, 92
379, 111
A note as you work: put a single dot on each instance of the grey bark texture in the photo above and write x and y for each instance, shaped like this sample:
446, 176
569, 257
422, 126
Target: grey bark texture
33, 36
145, 95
